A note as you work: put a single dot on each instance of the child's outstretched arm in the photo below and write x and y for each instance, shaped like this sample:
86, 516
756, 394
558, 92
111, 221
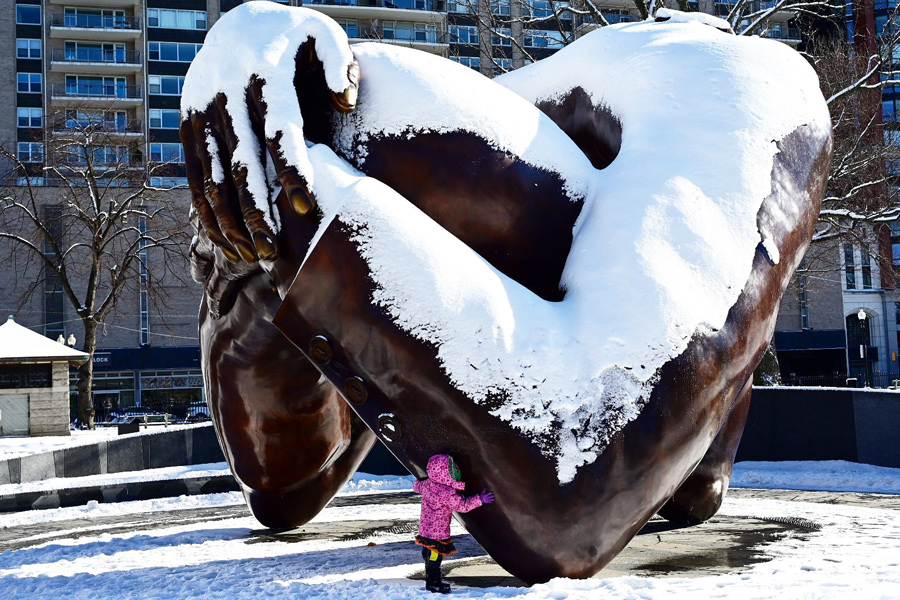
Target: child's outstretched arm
461, 504
417, 485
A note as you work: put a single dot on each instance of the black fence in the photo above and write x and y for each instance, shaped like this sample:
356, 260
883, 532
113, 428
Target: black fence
876, 379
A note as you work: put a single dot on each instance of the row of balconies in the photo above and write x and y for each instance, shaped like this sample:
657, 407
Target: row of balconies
429, 5
411, 36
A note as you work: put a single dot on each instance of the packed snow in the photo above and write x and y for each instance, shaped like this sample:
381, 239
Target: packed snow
682, 223
832, 475
855, 553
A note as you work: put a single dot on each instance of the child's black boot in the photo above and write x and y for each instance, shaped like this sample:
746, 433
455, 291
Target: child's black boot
433, 581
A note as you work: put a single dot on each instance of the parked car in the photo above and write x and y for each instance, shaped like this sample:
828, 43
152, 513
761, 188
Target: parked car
144, 413
197, 412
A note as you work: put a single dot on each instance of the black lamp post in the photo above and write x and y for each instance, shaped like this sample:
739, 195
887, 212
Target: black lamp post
864, 346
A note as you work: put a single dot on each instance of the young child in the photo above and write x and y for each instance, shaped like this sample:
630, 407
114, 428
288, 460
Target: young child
440, 497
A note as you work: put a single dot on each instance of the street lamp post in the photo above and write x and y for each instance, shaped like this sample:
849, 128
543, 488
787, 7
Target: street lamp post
863, 347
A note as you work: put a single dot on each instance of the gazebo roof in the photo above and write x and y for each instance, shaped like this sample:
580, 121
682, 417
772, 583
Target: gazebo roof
20, 344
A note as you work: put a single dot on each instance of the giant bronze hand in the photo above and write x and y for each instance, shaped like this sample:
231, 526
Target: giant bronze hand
289, 438
440, 349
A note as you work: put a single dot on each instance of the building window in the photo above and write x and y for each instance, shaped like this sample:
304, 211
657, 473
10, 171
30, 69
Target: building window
99, 120
168, 182
165, 118
350, 27
895, 243
28, 14
25, 376
29, 83
409, 32
849, 267
473, 62
500, 7
144, 279
464, 34
91, 85
106, 156
176, 19
172, 51
501, 37
29, 117
165, 85
462, 6
97, 52
502, 65
27, 48
93, 18
54, 301
30, 152
167, 152
865, 262
538, 38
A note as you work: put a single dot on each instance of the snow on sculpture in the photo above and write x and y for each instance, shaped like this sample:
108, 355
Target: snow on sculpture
563, 277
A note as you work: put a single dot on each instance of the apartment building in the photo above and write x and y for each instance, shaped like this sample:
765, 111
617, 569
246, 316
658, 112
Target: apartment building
116, 66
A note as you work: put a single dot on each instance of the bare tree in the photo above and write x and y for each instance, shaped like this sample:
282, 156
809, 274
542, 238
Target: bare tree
79, 203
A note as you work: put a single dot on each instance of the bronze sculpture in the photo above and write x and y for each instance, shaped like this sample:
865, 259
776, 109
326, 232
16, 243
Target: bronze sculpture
543, 525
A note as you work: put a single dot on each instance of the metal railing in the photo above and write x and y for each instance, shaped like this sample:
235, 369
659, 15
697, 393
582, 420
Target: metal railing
412, 36
875, 379
75, 126
432, 5
783, 33
82, 21
98, 90
96, 55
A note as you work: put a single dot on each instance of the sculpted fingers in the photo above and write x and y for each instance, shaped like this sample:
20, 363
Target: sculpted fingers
214, 129
197, 166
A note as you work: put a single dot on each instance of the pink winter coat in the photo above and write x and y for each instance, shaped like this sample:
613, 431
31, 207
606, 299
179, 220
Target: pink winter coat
440, 498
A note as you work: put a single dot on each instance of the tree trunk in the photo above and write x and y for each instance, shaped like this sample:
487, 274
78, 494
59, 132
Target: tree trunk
86, 376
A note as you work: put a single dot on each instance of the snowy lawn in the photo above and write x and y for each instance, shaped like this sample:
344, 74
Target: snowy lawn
854, 554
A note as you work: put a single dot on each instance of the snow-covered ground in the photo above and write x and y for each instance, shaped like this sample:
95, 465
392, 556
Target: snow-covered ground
854, 554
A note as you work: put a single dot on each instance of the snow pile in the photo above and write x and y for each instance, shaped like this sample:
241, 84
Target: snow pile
363, 483
661, 251
832, 475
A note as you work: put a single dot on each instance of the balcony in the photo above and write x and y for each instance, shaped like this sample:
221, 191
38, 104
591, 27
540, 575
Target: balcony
429, 41
95, 60
94, 27
127, 129
422, 11
97, 95
788, 35
135, 4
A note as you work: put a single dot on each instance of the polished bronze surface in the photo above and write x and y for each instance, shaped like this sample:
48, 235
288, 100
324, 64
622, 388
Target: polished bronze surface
291, 440
539, 529
701, 494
